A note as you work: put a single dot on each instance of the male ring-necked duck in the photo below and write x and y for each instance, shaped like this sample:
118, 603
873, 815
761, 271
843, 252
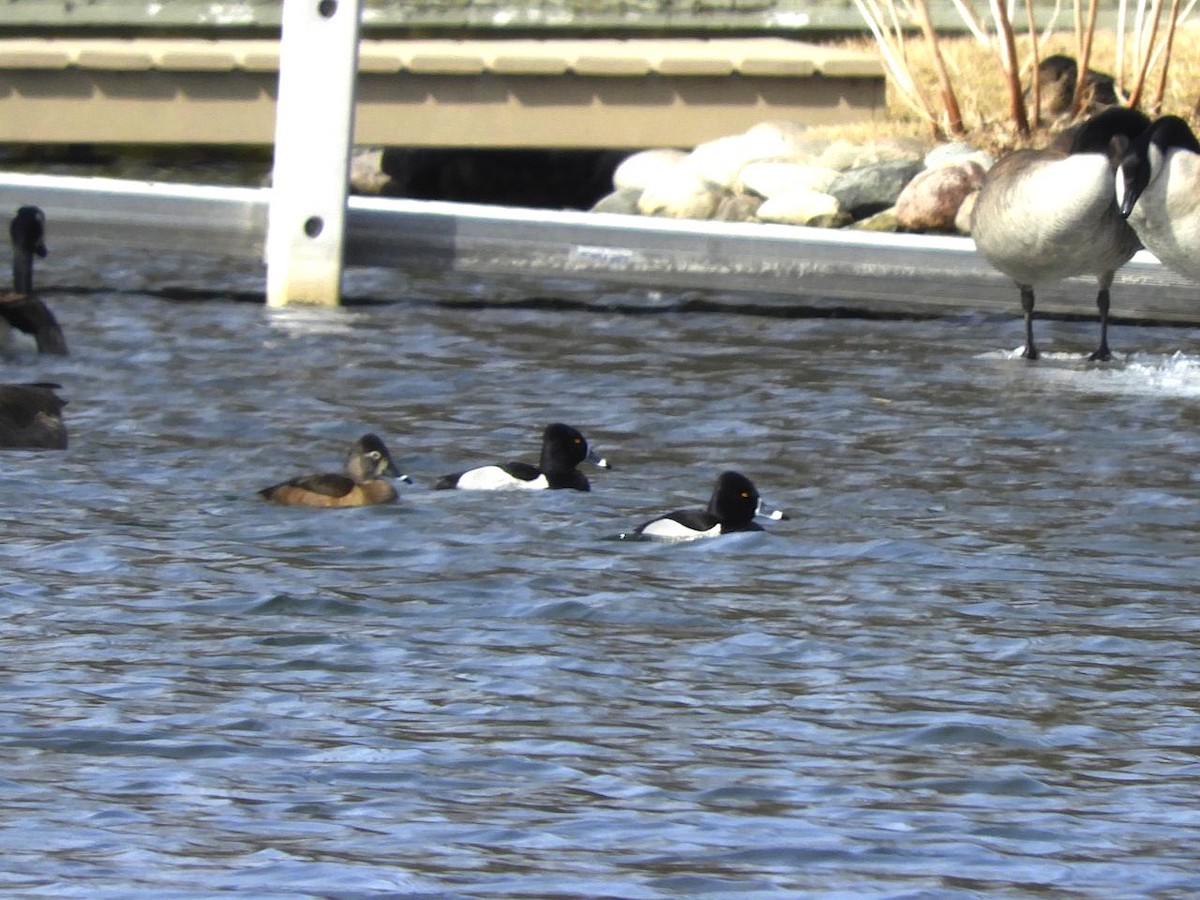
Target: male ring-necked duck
31, 417
1045, 215
563, 448
368, 466
1158, 187
733, 505
21, 307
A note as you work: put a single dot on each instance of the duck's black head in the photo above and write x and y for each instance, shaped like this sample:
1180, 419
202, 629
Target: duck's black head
734, 499
564, 447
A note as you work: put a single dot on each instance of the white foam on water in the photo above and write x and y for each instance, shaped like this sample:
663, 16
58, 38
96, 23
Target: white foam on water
1137, 374
299, 321
1176, 375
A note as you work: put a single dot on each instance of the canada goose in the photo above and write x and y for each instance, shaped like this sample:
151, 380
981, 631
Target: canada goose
368, 464
31, 417
21, 307
563, 448
1158, 189
1045, 215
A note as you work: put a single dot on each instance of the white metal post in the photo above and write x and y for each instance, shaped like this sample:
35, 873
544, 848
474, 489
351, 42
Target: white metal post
314, 129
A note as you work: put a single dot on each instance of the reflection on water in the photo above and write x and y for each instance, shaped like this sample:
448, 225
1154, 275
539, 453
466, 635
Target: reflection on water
966, 665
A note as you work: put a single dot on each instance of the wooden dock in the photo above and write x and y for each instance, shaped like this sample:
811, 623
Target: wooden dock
495, 93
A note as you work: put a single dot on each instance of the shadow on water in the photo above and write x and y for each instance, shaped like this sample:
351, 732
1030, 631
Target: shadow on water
783, 307
604, 298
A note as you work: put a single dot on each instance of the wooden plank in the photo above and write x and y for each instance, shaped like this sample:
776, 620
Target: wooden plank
761, 56
435, 93
114, 56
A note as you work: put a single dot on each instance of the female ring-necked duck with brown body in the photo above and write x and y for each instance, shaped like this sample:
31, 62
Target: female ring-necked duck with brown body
368, 466
734, 504
1158, 189
563, 448
31, 417
21, 307
1045, 215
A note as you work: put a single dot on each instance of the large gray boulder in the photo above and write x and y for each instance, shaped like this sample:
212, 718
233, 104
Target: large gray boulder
865, 191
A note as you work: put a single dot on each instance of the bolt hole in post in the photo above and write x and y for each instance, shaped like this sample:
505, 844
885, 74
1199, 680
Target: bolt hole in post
327, 8
313, 226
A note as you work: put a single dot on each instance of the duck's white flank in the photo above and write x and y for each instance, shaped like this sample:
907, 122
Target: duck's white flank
494, 478
670, 530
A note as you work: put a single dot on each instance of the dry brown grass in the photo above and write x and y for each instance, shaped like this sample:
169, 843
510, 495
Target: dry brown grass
979, 82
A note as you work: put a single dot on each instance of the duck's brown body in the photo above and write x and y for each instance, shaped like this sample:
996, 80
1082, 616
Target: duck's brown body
330, 490
368, 466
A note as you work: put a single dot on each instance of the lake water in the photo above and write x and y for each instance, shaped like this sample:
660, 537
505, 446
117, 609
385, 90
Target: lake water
966, 666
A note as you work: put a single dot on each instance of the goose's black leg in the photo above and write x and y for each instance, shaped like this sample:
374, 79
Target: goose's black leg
1102, 352
1030, 351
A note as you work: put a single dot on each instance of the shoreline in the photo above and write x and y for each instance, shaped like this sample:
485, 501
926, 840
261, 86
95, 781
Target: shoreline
784, 266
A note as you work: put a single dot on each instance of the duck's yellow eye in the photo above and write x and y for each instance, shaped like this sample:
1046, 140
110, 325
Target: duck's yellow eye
374, 454
746, 494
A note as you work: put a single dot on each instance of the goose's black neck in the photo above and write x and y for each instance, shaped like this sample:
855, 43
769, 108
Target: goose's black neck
1096, 135
28, 233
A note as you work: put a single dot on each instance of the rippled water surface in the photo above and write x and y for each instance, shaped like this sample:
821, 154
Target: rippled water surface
966, 666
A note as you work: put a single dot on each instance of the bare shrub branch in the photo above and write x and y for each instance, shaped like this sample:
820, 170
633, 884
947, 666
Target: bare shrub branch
1176, 16
954, 123
1085, 58
971, 19
1053, 20
1144, 48
889, 39
1035, 78
1119, 62
930, 74
1008, 58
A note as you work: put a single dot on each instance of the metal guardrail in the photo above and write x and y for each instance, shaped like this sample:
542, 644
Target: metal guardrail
897, 274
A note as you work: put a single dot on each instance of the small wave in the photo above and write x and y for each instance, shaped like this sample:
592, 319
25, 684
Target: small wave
301, 321
1174, 375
